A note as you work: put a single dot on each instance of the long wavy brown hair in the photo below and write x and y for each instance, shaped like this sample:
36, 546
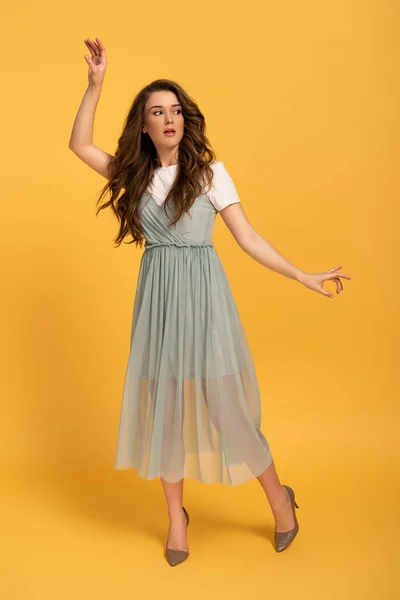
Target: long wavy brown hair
135, 160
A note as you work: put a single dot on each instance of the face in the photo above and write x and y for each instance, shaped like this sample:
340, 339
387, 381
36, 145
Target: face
163, 111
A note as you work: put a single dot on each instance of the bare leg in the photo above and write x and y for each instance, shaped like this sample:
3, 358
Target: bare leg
278, 498
172, 456
177, 520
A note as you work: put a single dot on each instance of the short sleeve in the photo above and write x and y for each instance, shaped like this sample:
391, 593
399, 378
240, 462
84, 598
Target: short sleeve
223, 191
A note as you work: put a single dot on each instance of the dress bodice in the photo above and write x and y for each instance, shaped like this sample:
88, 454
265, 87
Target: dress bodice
195, 228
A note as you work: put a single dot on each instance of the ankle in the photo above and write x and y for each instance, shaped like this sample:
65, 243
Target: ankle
280, 500
175, 510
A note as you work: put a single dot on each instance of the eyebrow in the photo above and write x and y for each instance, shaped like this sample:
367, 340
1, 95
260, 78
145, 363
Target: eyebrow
160, 106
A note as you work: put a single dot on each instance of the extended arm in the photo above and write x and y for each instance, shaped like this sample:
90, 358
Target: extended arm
256, 246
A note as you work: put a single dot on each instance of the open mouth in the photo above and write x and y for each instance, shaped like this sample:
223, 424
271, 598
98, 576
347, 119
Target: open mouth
170, 131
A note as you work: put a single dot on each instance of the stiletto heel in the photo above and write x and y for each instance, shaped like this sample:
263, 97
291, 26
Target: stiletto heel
175, 557
284, 538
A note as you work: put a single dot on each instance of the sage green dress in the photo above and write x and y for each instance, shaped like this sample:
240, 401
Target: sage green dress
191, 402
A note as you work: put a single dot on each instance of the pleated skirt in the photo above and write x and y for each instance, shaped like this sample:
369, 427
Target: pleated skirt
191, 403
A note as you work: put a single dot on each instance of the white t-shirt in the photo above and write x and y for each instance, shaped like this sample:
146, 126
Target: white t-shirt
222, 193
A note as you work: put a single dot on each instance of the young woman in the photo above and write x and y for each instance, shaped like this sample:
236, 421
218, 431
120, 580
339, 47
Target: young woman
191, 403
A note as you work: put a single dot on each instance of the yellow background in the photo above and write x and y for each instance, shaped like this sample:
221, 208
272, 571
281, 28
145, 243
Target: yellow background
301, 102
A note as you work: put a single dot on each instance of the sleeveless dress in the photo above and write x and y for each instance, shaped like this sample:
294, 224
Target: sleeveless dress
191, 403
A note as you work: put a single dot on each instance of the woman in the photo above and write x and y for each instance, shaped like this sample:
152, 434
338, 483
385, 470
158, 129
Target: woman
191, 405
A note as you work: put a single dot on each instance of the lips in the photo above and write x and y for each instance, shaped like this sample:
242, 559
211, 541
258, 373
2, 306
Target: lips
167, 130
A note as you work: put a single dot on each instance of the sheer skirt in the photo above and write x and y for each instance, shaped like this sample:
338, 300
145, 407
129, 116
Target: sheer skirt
191, 403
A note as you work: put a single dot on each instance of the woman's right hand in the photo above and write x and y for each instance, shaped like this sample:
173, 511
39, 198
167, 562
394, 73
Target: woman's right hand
97, 62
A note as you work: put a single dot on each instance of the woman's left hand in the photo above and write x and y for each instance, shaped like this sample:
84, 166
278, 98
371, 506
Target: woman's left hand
314, 281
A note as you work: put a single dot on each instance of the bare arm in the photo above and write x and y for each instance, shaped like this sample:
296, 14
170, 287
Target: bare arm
81, 140
254, 244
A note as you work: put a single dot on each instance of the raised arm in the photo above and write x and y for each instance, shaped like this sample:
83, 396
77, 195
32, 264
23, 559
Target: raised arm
81, 140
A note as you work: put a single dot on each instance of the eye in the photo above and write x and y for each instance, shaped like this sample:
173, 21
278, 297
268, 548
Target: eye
157, 111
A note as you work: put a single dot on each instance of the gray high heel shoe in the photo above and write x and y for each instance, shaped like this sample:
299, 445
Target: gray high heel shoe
284, 538
175, 557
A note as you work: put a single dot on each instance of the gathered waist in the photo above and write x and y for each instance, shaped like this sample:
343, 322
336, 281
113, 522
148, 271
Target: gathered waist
149, 246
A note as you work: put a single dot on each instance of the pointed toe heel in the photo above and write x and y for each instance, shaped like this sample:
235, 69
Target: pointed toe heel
175, 557
284, 538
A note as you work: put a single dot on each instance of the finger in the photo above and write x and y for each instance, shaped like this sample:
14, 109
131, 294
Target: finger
90, 62
339, 284
93, 47
325, 292
338, 274
329, 275
334, 269
87, 42
101, 46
